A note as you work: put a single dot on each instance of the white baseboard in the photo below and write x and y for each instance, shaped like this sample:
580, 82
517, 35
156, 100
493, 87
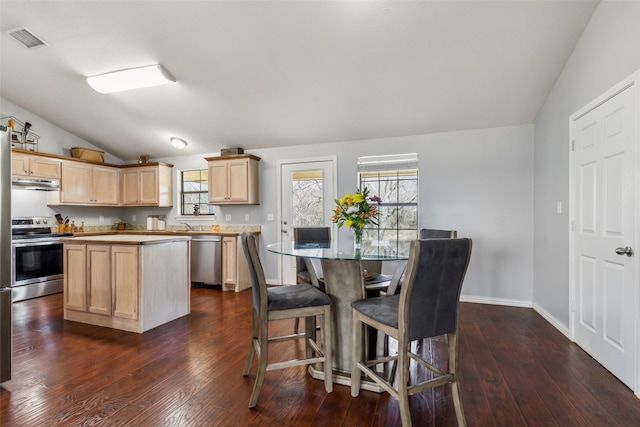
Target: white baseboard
496, 301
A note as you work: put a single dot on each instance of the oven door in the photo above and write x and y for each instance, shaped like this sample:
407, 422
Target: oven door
36, 261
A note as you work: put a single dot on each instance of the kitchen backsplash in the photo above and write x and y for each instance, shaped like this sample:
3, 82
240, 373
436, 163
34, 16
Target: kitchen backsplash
232, 228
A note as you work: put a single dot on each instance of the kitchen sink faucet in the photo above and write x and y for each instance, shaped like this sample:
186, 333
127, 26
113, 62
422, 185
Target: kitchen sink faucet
188, 226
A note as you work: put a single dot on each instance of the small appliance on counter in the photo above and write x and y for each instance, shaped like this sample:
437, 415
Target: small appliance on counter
156, 223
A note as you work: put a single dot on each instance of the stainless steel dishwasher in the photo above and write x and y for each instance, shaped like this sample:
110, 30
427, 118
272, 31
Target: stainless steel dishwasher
206, 260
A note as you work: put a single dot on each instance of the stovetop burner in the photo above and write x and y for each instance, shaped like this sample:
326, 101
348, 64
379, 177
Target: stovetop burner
36, 227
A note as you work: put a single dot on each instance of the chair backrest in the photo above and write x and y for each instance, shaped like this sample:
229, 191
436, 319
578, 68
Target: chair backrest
256, 273
312, 236
306, 235
429, 233
431, 289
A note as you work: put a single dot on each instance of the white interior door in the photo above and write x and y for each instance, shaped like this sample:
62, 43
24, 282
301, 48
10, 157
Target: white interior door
307, 192
604, 275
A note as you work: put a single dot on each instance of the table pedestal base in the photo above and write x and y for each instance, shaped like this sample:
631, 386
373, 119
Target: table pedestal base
344, 378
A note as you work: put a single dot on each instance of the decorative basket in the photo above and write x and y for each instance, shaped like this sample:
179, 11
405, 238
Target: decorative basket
87, 154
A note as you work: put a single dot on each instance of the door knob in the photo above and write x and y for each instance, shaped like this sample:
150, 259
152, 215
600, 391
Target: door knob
626, 250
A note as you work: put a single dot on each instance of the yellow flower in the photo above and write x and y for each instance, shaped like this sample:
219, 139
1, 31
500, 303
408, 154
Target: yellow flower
358, 198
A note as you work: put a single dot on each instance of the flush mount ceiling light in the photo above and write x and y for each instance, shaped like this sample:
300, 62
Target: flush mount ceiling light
132, 78
178, 143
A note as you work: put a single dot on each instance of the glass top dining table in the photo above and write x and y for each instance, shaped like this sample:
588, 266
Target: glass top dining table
335, 251
343, 273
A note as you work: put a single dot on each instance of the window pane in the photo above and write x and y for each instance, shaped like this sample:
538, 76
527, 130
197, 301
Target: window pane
407, 217
307, 198
195, 189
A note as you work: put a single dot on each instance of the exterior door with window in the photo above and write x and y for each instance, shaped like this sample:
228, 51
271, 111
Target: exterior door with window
307, 193
605, 199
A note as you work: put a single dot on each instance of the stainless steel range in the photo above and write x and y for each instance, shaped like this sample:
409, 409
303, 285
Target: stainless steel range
36, 254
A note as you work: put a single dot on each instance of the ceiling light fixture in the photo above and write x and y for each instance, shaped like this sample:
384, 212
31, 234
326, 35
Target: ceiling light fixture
132, 78
178, 142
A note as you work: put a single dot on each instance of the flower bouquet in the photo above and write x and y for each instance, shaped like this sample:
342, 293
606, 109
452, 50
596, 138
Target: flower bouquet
356, 211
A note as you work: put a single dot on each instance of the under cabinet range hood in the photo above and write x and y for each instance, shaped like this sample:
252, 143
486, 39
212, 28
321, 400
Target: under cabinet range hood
35, 184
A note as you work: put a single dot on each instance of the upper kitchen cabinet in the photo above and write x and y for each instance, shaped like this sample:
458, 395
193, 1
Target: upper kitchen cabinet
86, 184
233, 180
148, 185
34, 166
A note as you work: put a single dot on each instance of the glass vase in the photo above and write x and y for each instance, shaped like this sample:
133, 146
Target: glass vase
357, 239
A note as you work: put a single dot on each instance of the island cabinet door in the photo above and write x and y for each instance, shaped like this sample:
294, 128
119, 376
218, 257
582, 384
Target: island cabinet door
125, 267
99, 279
75, 277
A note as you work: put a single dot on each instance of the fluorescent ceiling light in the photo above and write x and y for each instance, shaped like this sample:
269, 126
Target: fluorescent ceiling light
133, 78
178, 142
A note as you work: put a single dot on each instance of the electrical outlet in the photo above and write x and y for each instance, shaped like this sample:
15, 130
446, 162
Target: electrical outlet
559, 207
227, 217
133, 218
246, 217
270, 217
101, 219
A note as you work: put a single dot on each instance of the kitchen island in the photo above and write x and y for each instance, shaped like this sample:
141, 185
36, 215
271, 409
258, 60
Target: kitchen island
128, 282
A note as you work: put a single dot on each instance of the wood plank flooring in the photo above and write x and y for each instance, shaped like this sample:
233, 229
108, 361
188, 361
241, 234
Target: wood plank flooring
516, 370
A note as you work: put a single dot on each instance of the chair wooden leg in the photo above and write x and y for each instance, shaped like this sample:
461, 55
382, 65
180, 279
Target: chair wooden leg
403, 382
254, 336
309, 334
328, 349
452, 339
356, 354
262, 365
296, 325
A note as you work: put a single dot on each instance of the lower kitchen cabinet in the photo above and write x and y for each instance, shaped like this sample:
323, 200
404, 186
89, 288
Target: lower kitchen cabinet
133, 287
235, 270
102, 279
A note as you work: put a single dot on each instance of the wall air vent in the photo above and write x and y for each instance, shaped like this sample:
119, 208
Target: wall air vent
26, 38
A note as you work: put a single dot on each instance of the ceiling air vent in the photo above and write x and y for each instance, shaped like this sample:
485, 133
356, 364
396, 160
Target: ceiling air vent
26, 38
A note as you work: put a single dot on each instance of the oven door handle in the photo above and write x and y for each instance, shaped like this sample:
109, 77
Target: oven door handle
35, 243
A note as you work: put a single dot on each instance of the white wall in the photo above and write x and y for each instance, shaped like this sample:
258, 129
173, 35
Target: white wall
607, 52
478, 182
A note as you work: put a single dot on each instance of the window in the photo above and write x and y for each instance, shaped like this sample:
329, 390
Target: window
307, 198
194, 193
394, 179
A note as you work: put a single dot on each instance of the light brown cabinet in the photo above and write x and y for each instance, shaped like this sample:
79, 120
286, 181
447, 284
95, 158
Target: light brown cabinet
86, 184
101, 279
234, 180
146, 186
132, 283
235, 270
34, 166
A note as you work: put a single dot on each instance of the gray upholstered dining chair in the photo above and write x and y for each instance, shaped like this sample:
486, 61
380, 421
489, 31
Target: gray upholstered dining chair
426, 307
309, 270
429, 233
285, 302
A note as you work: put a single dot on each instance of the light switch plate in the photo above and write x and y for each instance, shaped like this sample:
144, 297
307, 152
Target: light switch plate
227, 217
246, 217
270, 217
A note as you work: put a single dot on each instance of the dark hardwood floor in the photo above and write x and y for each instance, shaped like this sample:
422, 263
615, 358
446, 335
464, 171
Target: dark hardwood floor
516, 370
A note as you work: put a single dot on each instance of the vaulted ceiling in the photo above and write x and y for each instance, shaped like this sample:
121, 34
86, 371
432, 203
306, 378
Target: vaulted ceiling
259, 74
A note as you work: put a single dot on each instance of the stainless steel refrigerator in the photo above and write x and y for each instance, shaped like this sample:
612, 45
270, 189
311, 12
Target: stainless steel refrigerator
6, 320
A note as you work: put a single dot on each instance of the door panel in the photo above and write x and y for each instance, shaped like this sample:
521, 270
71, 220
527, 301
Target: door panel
605, 287
307, 192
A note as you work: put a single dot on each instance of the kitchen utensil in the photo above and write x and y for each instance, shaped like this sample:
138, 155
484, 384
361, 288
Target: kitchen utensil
59, 218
